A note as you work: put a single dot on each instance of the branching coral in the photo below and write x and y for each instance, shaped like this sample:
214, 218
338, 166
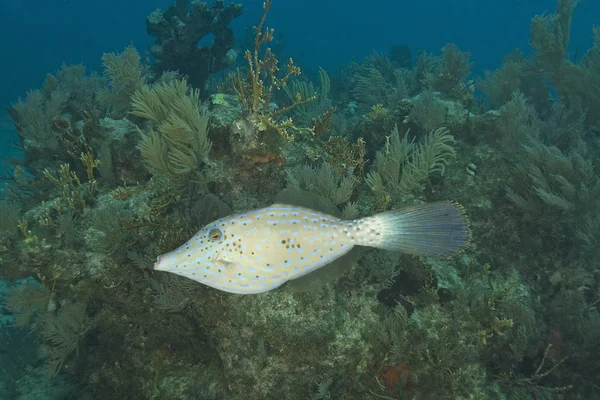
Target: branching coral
550, 35
255, 92
533, 384
82, 89
61, 330
338, 151
179, 32
456, 62
73, 192
69, 90
554, 180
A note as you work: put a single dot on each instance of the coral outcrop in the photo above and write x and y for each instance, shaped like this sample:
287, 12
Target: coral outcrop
179, 31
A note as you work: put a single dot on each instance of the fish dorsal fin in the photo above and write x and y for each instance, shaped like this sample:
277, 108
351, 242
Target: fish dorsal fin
210, 208
301, 198
327, 273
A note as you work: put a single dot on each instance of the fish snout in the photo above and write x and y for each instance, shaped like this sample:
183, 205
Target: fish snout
165, 262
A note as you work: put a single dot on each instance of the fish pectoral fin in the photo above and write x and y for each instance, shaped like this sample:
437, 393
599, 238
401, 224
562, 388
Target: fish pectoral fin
228, 265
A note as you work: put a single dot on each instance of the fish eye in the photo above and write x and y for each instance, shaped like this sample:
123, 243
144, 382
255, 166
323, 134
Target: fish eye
215, 234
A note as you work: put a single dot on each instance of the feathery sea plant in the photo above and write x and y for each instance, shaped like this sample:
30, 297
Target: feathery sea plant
125, 75
517, 123
323, 181
456, 62
33, 117
404, 166
112, 236
550, 185
172, 293
177, 145
577, 84
27, 300
446, 74
377, 81
105, 166
310, 111
323, 390
500, 85
81, 89
9, 219
370, 88
62, 332
427, 111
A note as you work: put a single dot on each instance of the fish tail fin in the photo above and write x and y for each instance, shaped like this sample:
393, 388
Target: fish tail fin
424, 230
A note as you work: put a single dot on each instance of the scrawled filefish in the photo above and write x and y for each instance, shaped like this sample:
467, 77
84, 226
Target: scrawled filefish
259, 250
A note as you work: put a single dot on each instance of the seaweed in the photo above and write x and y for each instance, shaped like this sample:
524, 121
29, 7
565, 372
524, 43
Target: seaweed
179, 146
403, 167
61, 332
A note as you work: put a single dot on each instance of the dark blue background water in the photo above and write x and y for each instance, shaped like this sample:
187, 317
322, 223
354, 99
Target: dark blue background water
36, 36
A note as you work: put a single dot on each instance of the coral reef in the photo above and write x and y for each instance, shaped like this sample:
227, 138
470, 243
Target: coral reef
180, 28
119, 169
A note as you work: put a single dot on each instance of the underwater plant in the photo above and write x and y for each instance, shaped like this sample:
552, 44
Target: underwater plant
61, 332
255, 91
33, 118
125, 75
177, 145
307, 112
323, 181
402, 167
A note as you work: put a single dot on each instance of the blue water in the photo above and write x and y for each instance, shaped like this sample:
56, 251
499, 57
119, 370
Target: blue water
38, 36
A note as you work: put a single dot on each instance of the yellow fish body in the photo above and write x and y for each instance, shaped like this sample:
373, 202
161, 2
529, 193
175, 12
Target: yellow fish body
260, 250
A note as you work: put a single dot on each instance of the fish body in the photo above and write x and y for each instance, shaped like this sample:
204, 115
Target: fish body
260, 250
